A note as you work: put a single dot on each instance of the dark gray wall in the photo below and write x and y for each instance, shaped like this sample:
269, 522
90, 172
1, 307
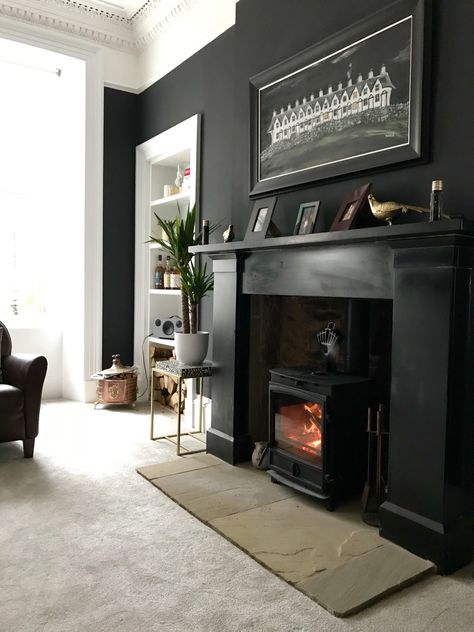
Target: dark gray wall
266, 35
215, 83
119, 225
203, 84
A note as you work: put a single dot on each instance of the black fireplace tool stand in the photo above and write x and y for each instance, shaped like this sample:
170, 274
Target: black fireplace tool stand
375, 488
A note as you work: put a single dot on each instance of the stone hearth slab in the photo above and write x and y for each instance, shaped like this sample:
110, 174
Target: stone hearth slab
332, 557
178, 465
222, 490
349, 587
297, 538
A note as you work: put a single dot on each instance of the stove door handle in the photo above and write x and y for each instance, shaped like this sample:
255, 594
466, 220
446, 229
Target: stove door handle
296, 469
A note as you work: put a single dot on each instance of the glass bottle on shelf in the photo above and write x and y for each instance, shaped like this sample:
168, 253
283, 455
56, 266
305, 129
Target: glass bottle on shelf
436, 200
175, 281
159, 274
167, 274
205, 231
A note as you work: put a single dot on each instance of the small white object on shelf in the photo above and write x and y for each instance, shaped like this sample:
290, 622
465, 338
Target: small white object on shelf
187, 179
179, 177
170, 189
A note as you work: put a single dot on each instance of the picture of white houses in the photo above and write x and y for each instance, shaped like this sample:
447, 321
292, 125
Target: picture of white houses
342, 108
369, 93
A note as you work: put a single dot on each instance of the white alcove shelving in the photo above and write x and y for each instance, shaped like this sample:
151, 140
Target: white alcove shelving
157, 163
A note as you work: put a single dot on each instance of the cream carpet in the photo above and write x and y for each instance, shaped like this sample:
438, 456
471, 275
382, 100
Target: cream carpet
334, 558
87, 545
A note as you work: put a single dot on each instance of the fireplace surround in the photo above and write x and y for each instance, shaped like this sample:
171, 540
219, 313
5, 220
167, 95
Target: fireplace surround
426, 270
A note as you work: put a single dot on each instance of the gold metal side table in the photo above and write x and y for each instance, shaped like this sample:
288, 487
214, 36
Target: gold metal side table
182, 372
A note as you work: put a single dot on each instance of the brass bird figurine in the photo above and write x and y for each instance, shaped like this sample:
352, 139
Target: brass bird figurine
386, 211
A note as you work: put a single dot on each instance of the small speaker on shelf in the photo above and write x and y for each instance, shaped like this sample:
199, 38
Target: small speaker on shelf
167, 327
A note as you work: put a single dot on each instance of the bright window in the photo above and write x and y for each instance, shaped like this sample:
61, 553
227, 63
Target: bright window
40, 119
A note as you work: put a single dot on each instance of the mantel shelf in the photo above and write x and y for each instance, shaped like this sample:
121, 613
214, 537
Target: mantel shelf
416, 230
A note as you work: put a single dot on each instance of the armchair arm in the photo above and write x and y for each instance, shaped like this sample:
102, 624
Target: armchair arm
27, 372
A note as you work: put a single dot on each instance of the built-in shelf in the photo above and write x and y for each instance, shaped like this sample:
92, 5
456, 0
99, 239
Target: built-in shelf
160, 162
184, 195
164, 342
167, 292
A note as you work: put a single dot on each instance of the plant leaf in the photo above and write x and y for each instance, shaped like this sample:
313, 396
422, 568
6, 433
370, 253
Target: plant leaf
196, 282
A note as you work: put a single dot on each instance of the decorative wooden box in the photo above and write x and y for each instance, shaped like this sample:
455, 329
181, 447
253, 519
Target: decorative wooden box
117, 385
117, 390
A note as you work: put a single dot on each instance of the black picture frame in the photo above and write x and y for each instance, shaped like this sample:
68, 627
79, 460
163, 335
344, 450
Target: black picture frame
333, 108
306, 219
260, 219
351, 207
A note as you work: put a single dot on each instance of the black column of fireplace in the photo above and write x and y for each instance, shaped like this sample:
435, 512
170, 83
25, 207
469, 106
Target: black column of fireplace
426, 269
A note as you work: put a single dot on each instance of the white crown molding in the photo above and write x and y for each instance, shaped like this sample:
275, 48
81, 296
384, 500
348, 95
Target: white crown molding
101, 26
157, 16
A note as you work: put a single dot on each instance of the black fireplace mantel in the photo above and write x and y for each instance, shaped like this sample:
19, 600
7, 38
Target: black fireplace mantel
426, 269
416, 230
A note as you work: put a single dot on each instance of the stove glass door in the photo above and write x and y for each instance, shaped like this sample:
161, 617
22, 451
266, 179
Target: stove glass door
299, 426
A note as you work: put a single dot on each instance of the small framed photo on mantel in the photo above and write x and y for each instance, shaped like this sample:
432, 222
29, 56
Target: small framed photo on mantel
260, 223
307, 215
351, 208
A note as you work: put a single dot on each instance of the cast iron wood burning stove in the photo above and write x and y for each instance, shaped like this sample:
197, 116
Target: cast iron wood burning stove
317, 431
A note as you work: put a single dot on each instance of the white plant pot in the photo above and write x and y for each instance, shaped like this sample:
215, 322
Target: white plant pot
191, 348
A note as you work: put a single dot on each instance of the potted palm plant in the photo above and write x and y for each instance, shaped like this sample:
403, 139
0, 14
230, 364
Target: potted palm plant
196, 283
178, 237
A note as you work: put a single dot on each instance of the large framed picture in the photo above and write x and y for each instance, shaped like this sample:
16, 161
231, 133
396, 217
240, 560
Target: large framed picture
350, 103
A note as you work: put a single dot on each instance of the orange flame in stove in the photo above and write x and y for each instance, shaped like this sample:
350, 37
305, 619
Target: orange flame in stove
315, 410
308, 434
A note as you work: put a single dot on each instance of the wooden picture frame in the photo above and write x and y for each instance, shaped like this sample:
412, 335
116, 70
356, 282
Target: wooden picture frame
352, 102
260, 219
351, 207
307, 215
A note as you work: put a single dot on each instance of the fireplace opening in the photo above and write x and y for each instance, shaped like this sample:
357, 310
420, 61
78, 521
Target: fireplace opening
283, 333
313, 413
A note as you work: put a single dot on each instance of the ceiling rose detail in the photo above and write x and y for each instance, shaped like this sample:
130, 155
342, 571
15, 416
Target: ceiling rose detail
103, 22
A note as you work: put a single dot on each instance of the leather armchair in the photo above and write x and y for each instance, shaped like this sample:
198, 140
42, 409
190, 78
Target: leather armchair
20, 394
